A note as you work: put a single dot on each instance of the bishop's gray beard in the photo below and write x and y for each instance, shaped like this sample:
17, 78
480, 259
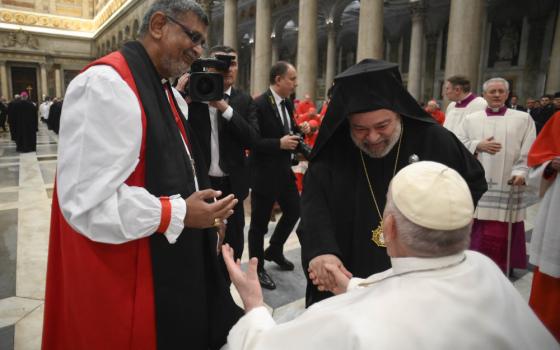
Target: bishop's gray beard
393, 139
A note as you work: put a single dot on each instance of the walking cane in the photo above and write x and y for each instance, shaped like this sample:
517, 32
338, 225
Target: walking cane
510, 228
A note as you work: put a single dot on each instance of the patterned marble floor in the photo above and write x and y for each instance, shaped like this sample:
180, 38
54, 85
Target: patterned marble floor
26, 184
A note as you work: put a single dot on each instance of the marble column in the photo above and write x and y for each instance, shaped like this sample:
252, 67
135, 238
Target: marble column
252, 72
464, 39
331, 56
430, 66
307, 49
230, 23
58, 82
553, 76
207, 7
43, 84
262, 46
415, 61
370, 32
274, 56
4, 81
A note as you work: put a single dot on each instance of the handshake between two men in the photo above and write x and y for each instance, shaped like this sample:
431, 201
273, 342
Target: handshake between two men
325, 271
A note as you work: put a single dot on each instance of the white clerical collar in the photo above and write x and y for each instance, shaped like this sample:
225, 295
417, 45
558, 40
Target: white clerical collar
277, 97
410, 264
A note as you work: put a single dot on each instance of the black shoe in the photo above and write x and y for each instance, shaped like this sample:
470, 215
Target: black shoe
265, 280
279, 259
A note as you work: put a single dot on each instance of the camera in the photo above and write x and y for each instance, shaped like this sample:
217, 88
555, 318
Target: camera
208, 86
302, 148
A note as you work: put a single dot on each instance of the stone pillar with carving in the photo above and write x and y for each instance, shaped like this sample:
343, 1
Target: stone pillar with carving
43, 84
464, 39
58, 82
262, 46
4, 80
415, 62
331, 55
230, 23
553, 76
370, 31
307, 49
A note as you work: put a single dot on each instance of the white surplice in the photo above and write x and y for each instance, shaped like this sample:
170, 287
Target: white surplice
464, 301
545, 241
99, 147
454, 115
515, 130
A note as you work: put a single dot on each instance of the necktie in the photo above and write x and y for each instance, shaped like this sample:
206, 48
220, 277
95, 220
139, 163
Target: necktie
285, 117
226, 97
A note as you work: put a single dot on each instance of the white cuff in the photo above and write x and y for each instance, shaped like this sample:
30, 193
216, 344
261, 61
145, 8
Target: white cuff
228, 113
178, 212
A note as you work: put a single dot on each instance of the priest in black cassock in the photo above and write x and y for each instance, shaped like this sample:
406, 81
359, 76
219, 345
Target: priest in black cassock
27, 123
373, 128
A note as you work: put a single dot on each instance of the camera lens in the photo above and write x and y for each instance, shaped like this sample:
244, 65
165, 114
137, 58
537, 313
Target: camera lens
205, 86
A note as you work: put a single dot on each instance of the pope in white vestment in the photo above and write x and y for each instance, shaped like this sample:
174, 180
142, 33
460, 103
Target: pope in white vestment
435, 296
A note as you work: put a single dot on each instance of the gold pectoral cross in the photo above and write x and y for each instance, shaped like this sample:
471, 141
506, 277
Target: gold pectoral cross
377, 235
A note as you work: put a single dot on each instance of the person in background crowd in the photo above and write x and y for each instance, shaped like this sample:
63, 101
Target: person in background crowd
546, 111
432, 107
458, 90
272, 178
513, 104
501, 138
3, 112
304, 105
44, 109
27, 124
12, 117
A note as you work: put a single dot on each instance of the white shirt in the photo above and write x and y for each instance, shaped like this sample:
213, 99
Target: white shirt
279, 107
470, 305
44, 109
215, 169
454, 115
99, 146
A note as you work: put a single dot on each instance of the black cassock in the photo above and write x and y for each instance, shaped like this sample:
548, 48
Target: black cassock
26, 121
53, 121
338, 211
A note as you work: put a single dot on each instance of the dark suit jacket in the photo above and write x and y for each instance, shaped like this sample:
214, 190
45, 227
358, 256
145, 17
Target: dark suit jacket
235, 135
271, 166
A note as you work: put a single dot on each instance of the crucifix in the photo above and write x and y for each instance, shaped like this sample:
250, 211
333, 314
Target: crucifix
491, 183
29, 88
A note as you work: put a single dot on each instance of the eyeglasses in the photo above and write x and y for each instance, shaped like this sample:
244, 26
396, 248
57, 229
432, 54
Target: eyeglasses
196, 37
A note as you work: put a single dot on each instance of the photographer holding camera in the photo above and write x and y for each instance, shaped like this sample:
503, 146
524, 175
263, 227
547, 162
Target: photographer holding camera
225, 128
272, 178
